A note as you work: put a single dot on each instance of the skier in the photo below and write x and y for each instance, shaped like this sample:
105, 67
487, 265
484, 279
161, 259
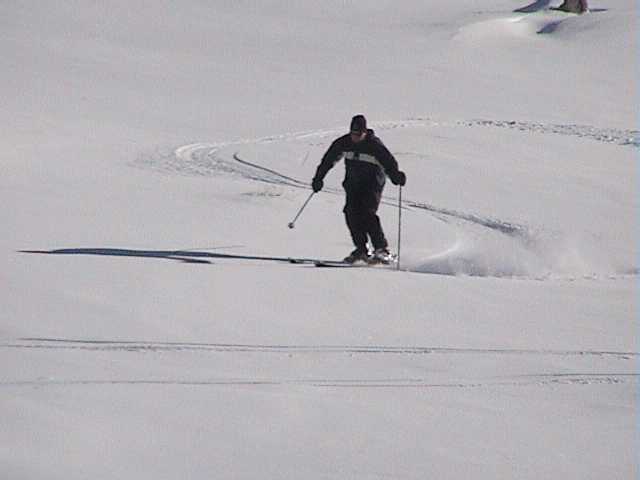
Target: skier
367, 161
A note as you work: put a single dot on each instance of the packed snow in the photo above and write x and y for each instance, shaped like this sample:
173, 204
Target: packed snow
159, 319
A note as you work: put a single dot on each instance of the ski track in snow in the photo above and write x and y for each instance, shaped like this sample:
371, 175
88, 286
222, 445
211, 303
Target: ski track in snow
605, 135
580, 378
417, 383
214, 159
206, 159
142, 346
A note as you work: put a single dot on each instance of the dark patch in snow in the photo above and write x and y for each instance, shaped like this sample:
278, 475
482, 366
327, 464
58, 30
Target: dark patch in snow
550, 27
534, 7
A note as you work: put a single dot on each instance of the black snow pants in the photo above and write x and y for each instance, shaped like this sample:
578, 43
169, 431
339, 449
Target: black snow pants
360, 210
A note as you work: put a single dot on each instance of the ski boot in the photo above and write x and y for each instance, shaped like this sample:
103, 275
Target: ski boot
358, 255
383, 256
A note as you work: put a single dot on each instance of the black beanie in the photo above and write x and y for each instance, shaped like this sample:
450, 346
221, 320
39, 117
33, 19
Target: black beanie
359, 124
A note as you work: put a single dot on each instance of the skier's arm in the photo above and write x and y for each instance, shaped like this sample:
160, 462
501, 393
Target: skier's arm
390, 164
329, 159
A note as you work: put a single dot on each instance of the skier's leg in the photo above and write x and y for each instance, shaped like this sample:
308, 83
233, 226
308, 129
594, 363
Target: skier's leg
371, 221
354, 219
358, 233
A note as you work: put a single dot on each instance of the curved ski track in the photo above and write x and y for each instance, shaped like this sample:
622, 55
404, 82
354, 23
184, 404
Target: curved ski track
212, 159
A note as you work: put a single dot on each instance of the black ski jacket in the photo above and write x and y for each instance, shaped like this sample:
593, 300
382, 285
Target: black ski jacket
366, 162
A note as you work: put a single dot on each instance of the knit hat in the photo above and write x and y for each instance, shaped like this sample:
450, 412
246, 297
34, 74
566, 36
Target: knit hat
358, 124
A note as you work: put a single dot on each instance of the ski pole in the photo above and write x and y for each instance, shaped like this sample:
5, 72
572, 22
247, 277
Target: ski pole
293, 222
399, 223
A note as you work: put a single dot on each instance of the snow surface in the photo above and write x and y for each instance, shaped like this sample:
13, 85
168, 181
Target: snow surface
152, 156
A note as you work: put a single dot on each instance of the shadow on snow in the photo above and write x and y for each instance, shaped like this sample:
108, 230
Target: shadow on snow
187, 256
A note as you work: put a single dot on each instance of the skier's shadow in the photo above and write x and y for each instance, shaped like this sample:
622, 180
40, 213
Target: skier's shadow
186, 256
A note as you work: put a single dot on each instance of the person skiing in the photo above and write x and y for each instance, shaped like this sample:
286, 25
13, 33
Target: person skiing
367, 161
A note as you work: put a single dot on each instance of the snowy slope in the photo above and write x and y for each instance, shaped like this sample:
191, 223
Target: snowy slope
152, 157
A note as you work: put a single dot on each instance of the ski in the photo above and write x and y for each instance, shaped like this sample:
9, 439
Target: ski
343, 264
338, 263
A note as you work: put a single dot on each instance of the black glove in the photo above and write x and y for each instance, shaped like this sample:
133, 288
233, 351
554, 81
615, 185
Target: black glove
317, 184
398, 178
